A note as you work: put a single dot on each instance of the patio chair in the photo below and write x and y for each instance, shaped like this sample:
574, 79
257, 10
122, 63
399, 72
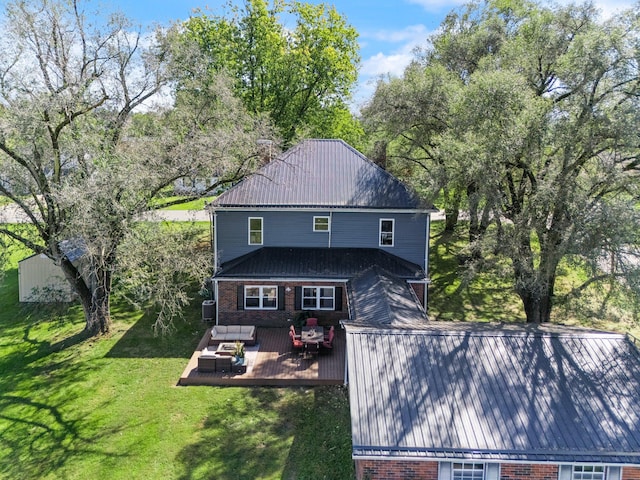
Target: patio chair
312, 349
328, 343
312, 322
296, 343
293, 330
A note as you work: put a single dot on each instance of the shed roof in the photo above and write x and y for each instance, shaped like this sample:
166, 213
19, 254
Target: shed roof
320, 173
300, 262
495, 393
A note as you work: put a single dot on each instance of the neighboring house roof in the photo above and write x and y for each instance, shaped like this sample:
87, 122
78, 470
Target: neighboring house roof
378, 298
326, 263
494, 393
320, 173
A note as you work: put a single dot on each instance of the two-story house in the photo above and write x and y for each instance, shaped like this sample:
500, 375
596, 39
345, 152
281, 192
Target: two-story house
312, 229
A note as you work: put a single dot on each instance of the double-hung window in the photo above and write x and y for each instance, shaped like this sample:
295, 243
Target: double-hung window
255, 231
318, 298
588, 472
387, 227
261, 297
467, 471
321, 224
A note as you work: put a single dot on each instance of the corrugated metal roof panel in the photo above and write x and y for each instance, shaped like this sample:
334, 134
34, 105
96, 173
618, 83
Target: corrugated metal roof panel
320, 173
343, 263
529, 394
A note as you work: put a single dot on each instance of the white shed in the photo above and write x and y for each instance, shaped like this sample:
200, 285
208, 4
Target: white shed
41, 280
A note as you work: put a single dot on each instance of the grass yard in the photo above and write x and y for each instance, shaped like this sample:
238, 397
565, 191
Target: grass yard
76, 408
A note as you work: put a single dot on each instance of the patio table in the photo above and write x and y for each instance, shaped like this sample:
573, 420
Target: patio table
312, 335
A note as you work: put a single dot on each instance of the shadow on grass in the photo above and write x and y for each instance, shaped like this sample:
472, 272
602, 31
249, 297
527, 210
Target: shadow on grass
456, 295
39, 382
306, 431
141, 341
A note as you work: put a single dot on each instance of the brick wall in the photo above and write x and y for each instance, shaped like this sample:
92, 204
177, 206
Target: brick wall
228, 313
631, 473
392, 470
404, 470
511, 471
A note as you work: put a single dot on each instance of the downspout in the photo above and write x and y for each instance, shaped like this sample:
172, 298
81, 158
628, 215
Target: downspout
214, 237
330, 225
426, 261
215, 297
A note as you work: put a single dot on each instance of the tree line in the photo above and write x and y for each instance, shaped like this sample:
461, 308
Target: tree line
524, 116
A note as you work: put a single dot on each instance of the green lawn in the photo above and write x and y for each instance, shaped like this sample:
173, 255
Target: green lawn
193, 205
76, 408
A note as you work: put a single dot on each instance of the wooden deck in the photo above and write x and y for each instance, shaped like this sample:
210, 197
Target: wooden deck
275, 364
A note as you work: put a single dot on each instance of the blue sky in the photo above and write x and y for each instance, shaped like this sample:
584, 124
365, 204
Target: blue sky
389, 29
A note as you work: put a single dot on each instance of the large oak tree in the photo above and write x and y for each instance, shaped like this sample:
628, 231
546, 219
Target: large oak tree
533, 113
83, 172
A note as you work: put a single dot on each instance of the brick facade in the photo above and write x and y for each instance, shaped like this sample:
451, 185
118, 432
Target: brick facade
396, 470
405, 470
631, 473
229, 314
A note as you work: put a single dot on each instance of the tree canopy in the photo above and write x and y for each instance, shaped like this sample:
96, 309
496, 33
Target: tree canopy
75, 162
302, 76
530, 115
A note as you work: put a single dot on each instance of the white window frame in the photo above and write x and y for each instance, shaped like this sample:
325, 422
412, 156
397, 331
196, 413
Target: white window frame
588, 472
318, 297
321, 217
250, 231
468, 471
261, 297
392, 233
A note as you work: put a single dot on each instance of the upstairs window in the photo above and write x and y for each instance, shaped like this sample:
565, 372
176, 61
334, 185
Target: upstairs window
467, 471
318, 298
321, 224
255, 230
386, 232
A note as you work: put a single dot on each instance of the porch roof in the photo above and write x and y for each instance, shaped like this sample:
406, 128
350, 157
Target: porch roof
324, 263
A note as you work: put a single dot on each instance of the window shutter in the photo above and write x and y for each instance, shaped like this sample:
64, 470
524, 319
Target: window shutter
564, 472
240, 297
280, 298
614, 473
444, 471
338, 299
298, 298
492, 471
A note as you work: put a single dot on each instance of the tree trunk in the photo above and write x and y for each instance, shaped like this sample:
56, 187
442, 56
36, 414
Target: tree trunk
537, 304
95, 296
452, 209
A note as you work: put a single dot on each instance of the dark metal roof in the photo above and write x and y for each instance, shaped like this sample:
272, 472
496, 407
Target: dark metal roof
342, 263
380, 299
496, 393
320, 173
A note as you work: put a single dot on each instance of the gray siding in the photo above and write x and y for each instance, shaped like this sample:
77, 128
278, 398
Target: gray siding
295, 229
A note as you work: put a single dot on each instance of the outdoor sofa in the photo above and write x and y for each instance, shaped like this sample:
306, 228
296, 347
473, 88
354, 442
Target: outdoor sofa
232, 333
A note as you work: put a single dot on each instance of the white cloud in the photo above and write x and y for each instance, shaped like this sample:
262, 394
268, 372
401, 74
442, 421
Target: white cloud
411, 33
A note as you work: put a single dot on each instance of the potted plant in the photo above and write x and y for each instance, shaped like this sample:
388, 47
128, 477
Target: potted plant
239, 352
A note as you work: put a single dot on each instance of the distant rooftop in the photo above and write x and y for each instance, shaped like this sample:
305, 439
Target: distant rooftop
494, 392
321, 173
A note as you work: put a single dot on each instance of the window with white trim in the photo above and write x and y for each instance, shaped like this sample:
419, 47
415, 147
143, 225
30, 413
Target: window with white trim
255, 230
318, 298
467, 471
387, 226
321, 224
261, 297
588, 472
